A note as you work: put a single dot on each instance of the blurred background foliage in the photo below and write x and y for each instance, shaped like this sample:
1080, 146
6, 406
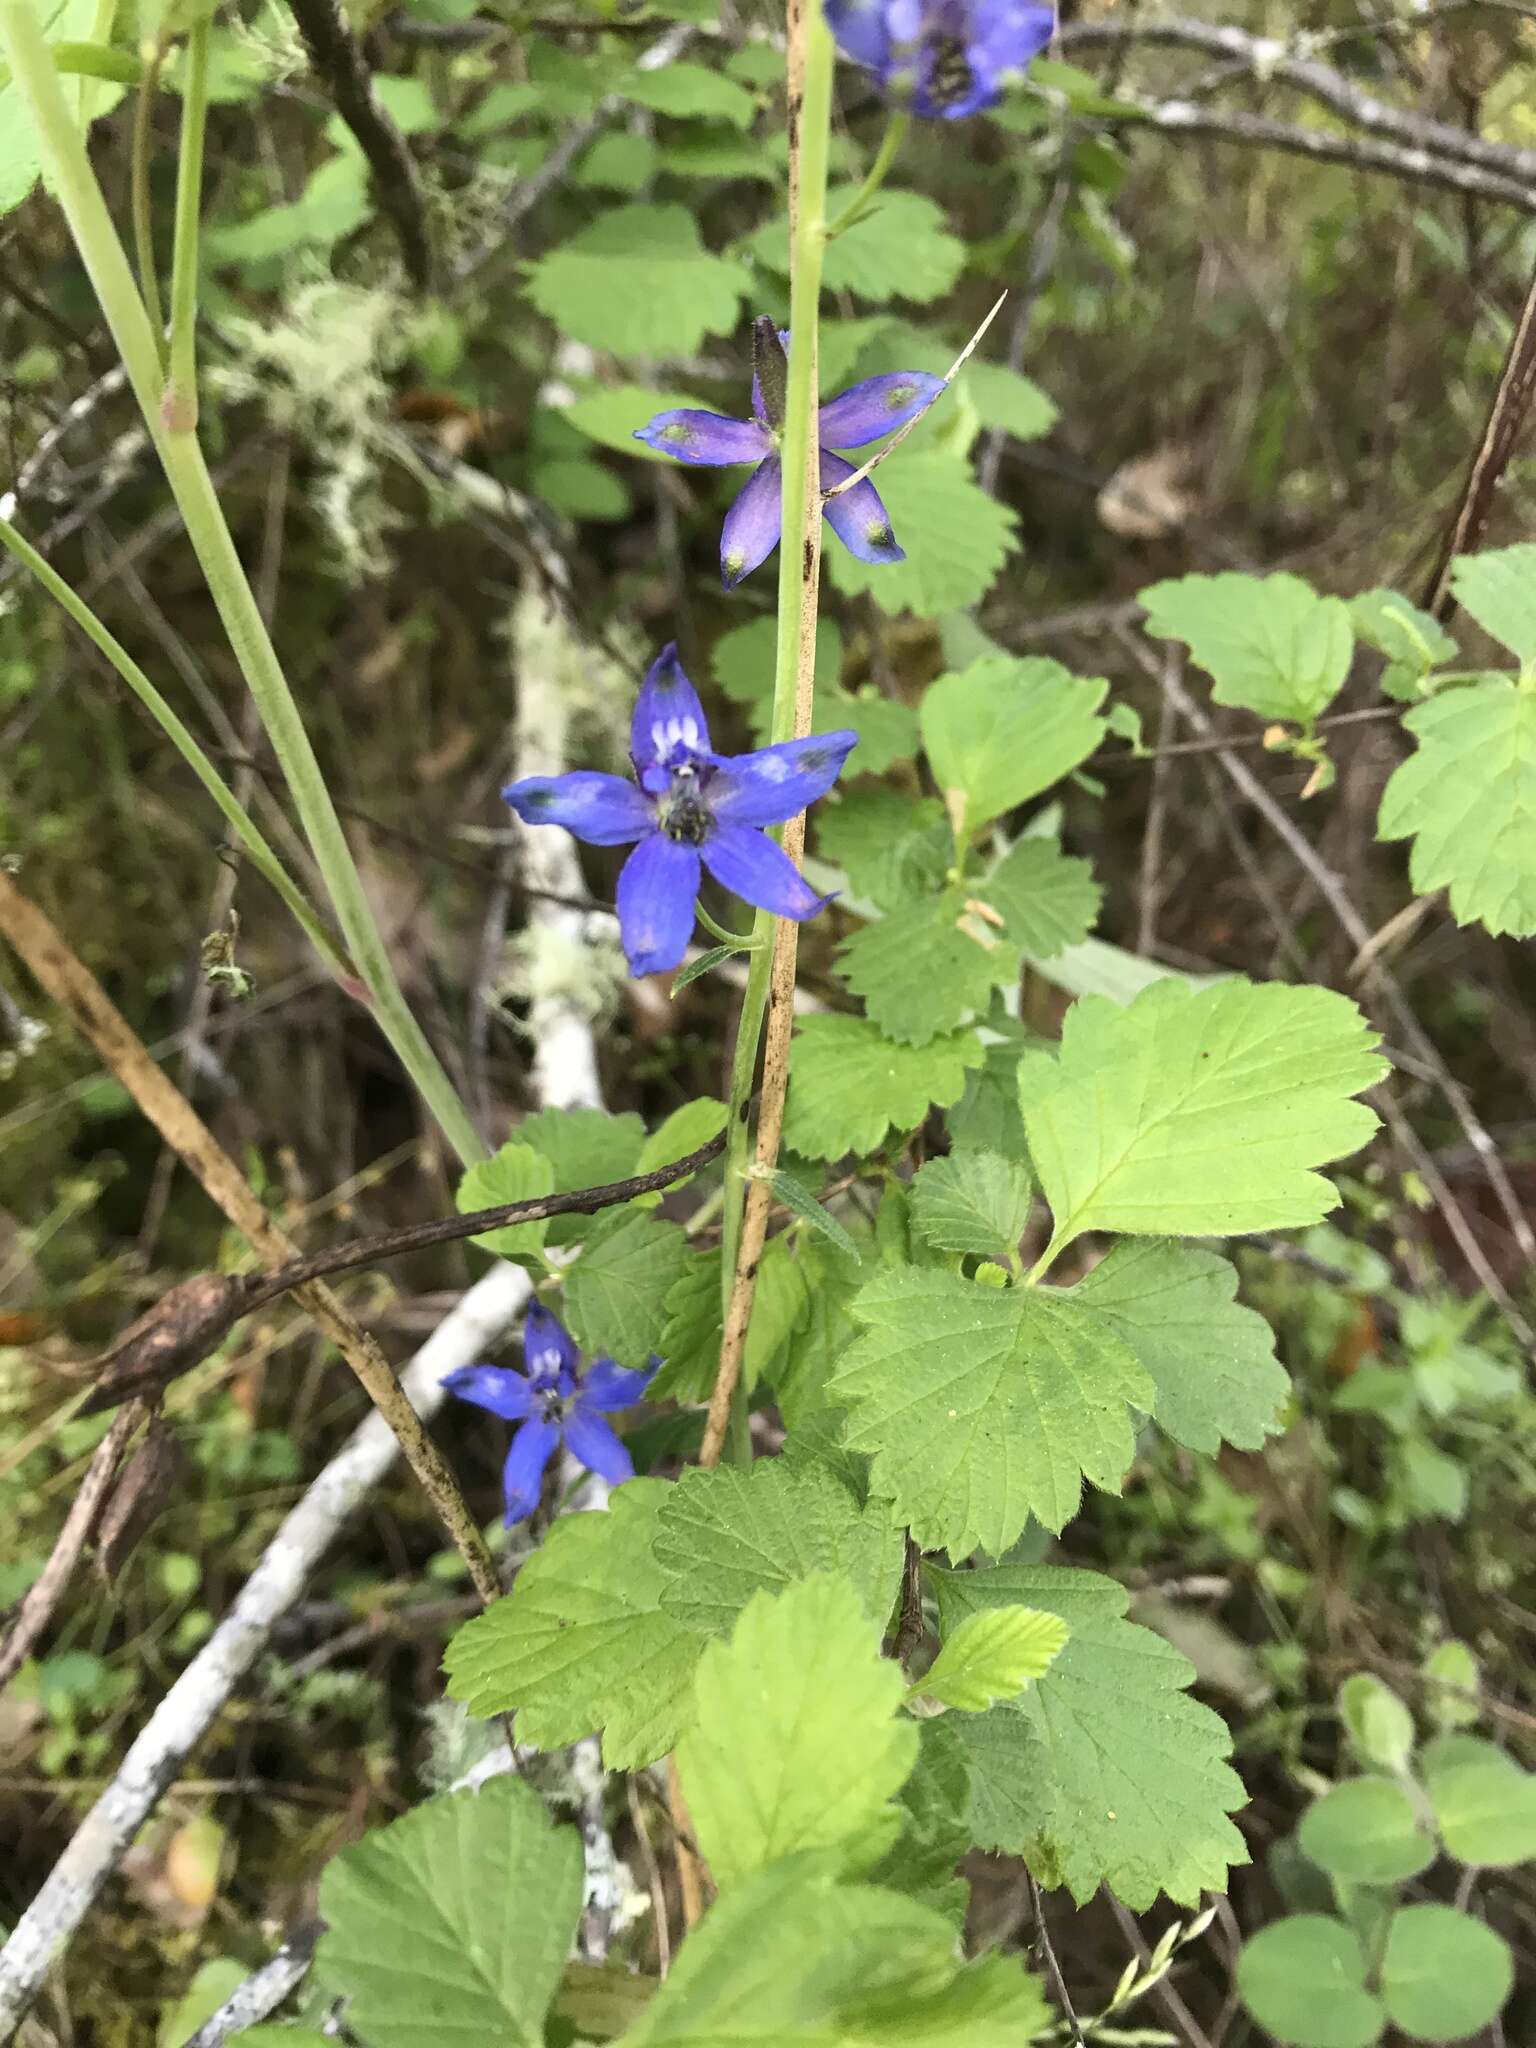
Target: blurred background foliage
420, 402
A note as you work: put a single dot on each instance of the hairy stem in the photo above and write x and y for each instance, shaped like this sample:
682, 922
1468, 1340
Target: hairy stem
771, 976
96, 239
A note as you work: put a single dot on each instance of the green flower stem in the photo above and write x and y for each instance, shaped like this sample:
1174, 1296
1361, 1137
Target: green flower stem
257, 850
746, 1202
181, 389
96, 239
143, 218
895, 134
742, 941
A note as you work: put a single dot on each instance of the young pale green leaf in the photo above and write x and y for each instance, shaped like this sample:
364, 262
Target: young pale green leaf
1269, 643
956, 537
1412, 640
849, 1084
725, 1535
455, 1920
901, 250
1444, 1975
1366, 1831
796, 1741
1211, 1361
1046, 899
791, 1959
1198, 1113
981, 1408
20, 156
797, 1197
1379, 1725
972, 1202
928, 966
586, 1147
1454, 1685
893, 848
690, 92
1003, 730
993, 1655
1467, 799
517, 1173
1303, 1978
617, 1290
582, 1642
1105, 1771
1486, 1812
1499, 589
638, 278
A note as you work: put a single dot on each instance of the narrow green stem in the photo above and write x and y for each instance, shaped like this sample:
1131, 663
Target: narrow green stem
143, 218
797, 447
743, 941
74, 184
101, 33
181, 390
257, 849
890, 142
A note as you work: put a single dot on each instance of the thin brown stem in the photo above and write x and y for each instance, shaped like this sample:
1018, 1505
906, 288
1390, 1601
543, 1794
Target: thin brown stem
55, 966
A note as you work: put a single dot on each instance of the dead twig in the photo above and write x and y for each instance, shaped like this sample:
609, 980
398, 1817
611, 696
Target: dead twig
264, 1990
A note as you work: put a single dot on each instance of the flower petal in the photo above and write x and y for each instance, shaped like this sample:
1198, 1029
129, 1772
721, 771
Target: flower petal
605, 810
658, 887
548, 1347
708, 440
590, 1440
759, 872
778, 782
607, 1386
859, 28
1006, 36
877, 406
668, 723
494, 1387
857, 517
522, 1476
751, 530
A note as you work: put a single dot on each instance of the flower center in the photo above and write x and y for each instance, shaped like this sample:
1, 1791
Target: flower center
950, 77
683, 813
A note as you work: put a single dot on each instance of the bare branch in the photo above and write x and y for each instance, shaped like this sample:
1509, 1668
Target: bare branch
263, 1991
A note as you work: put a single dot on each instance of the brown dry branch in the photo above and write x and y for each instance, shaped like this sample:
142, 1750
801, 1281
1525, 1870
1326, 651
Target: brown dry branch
48, 1588
76, 990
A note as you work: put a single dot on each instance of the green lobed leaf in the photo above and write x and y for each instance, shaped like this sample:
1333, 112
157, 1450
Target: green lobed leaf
691, 92
684, 1131
610, 414
21, 159
972, 1202
725, 1535
1198, 1113
1003, 730
1303, 1978
901, 250
981, 1408
927, 966
1412, 640
992, 1655
956, 538
986, 1118
796, 1742
616, 1292
1211, 1361
638, 278
617, 162
582, 1641
1444, 1975
1486, 1812
692, 1324
849, 1084
517, 1173
1499, 589
1379, 1725
1467, 799
892, 847
1106, 1771
923, 1862
587, 1148
1047, 899
1366, 1831
791, 1959
1269, 643
456, 1920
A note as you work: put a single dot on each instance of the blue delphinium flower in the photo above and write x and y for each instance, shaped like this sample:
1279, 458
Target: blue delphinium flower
552, 1401
688, 808
866, 411
942, 59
